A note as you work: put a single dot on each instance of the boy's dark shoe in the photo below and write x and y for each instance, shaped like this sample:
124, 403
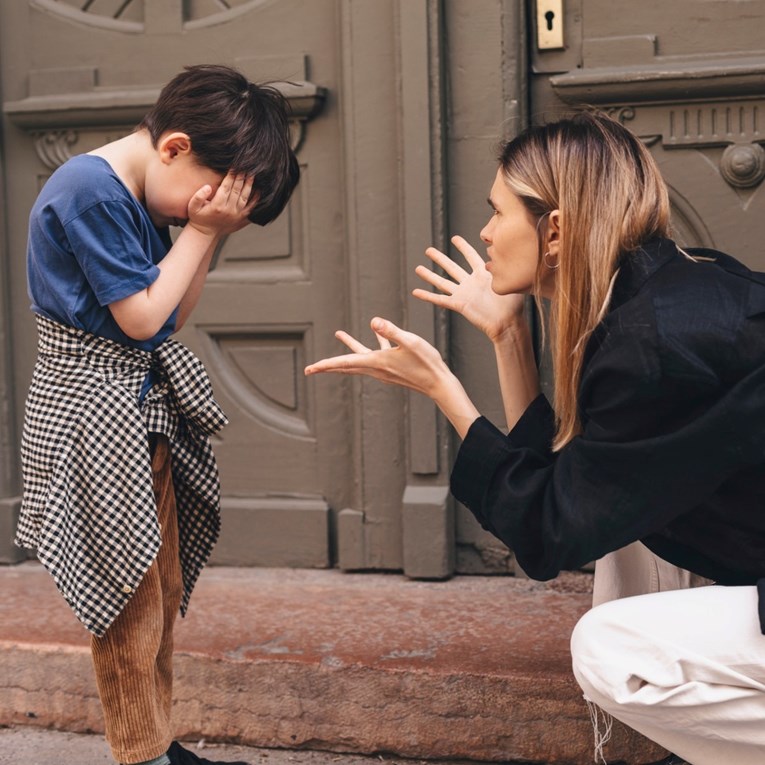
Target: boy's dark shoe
673, 759
180, 756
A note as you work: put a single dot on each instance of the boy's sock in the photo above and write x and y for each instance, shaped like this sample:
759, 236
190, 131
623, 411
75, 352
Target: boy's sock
163, 759
180, 756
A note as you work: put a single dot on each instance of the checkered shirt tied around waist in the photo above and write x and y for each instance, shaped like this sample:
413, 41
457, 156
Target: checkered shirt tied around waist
88, 505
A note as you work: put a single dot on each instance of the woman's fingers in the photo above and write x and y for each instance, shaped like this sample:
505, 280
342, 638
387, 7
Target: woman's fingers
468, 252
350, 363
442, 301
358, 347
445, 285
351, 342
444, 261
387, 330
403, 359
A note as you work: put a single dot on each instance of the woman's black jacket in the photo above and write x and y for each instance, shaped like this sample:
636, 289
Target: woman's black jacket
672, 449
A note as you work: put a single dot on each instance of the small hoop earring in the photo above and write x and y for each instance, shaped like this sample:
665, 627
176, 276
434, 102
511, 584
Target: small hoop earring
547, 263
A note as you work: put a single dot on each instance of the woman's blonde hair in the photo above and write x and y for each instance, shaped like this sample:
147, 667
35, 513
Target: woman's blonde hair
611, 199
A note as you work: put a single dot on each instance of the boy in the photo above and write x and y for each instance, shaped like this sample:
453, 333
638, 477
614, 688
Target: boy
118, 416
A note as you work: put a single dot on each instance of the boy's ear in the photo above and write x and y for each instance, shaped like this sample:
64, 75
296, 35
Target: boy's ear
553, 232
172, 145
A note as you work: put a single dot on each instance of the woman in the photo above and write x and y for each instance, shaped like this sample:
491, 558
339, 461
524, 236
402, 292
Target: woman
656, 434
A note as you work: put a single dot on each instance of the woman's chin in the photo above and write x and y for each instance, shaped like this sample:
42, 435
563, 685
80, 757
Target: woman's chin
501, 287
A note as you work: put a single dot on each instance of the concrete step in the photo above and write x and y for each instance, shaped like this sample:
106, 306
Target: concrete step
474, 668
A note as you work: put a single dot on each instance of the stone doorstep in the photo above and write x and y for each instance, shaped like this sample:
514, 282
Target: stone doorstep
473, 668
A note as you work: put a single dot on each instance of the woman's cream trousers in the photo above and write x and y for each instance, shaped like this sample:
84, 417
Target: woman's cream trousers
684, 665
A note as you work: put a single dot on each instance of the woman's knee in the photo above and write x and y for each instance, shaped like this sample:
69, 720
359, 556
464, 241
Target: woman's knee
597, 638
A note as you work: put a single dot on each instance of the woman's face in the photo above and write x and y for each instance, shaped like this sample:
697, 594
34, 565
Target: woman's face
513, 247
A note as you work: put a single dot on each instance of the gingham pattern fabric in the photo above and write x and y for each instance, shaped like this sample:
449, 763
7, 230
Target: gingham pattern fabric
88, 504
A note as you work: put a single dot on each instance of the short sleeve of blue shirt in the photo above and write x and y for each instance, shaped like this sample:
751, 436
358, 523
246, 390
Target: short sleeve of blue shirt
108, 246
91, 243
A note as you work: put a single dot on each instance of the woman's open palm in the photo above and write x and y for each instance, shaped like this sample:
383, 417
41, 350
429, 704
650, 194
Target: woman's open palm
470, 293
403, 358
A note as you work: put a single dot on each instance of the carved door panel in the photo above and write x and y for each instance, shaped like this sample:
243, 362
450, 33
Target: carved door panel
687, 78
76, 74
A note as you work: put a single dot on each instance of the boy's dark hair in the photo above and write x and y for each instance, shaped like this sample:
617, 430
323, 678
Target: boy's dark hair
234, 125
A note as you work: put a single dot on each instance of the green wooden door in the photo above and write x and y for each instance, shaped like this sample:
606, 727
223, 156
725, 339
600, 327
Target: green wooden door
77, 74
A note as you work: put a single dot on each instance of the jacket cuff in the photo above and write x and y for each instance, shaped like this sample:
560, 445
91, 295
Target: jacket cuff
536, 428
479, 455
485, 447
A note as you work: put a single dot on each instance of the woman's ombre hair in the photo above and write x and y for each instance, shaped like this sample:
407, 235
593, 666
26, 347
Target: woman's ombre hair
611, 199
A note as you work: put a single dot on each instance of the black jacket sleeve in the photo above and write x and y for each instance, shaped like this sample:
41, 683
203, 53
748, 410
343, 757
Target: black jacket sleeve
660, 435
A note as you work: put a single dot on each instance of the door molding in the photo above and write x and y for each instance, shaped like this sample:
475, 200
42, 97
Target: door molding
428, 537
54, 117
10, 504
662, 81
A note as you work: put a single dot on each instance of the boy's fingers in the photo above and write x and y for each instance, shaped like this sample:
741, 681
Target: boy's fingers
200, 197
254, 199
238, 190
227, 184
247, 199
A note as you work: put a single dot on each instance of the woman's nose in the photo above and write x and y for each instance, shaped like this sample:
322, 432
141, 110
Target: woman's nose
485, 238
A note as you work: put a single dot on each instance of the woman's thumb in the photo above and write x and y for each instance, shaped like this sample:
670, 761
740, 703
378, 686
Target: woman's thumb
386, 329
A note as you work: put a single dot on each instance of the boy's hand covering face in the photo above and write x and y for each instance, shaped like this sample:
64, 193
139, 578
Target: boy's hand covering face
226, 210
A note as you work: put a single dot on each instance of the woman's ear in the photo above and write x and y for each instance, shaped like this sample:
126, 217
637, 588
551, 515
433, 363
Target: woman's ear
172, 145
553, 232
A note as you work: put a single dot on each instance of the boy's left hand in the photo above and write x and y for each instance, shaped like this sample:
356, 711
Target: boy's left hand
227, 210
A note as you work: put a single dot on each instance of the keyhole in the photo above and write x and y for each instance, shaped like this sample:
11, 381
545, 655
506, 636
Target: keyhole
550, 15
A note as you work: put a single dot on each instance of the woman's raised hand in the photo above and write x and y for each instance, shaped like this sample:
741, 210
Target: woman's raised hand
470, 293
404, 358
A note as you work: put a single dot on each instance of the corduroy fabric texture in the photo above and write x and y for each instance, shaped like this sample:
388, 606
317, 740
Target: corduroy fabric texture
133, 660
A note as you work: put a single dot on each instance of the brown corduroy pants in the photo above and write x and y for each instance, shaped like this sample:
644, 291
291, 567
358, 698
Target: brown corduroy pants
133, 660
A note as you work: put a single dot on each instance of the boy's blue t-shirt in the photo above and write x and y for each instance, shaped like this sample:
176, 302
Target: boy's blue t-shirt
91, 243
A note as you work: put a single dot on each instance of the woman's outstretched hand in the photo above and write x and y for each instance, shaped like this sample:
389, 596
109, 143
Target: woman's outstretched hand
470, 293
405, 359
412, 362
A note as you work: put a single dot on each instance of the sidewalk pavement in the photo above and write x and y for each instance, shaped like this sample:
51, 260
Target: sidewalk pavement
475, 668
34, 746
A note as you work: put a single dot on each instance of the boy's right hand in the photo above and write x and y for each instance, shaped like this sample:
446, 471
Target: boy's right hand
226, 210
